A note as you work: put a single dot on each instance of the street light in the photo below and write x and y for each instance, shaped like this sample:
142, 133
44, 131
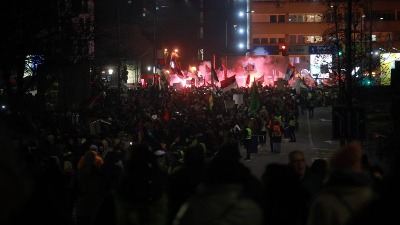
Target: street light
110, 71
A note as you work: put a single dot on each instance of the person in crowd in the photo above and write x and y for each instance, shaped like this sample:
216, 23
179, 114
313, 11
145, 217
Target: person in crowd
141, 197
230, 194
311, 106
91, 155
271, 122
347, 191
183, 184
247, 140
263, 121
277, 137
319, 168
112, 171
292, 120
285, 201
90, 186
309, 180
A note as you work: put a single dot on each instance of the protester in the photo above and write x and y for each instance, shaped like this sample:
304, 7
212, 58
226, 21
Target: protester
347, 191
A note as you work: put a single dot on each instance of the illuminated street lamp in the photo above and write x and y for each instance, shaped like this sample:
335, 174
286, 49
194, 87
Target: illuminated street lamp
110, 71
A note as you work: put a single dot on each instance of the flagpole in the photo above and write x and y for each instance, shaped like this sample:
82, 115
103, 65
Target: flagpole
213, 67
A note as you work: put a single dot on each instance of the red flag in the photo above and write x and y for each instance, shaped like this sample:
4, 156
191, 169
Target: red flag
166, 116
228, 83
248, 80
261, 80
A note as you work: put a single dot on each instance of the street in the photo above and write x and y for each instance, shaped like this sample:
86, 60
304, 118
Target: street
314, 138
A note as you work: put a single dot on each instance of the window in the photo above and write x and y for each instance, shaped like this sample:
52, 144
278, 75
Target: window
273, 18
281, 40
300, 39
293, 39
264, 40
373, 38
398, 15
256, 40
318, 18
273, 40
313, 39
309, 18
281, 18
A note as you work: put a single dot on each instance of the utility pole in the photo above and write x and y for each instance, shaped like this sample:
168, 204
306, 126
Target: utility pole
119, 51
154, 36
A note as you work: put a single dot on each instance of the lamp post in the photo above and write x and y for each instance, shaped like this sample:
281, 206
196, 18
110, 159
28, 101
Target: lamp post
154, 36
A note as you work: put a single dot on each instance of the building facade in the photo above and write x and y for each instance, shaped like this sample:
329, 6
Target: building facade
310, 29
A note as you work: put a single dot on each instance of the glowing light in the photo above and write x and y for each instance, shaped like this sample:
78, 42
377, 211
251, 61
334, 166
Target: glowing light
241, 31
241, 45
110, 71
149, 68
183, 82
241, 13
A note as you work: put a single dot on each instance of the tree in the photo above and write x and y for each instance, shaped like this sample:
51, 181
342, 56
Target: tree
52, 30
350, 29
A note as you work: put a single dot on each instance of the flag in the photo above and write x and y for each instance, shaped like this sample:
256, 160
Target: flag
293, 72
193, 74
254, 99
289, 72
214, 75
260, 80
248, 80
228, 83
179, 73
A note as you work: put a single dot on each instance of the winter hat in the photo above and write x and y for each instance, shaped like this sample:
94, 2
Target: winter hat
93, 148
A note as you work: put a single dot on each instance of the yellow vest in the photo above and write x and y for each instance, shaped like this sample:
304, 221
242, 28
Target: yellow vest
248, 136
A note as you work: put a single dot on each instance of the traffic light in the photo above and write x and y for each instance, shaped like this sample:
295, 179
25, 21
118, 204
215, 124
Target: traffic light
340, 50
283, 50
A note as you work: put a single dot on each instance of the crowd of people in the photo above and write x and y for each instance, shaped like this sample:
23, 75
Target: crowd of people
172, 157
